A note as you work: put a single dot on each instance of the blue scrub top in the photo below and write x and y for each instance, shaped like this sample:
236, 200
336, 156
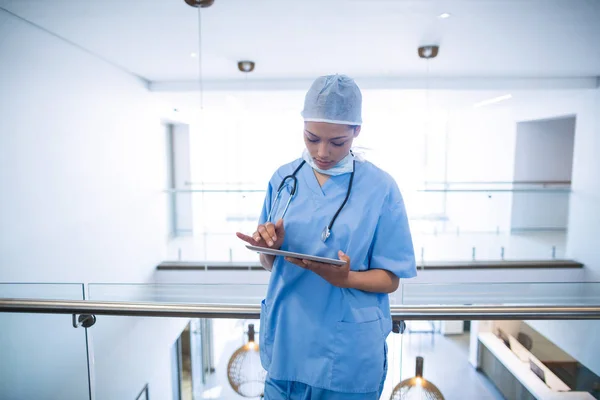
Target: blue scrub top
311, 331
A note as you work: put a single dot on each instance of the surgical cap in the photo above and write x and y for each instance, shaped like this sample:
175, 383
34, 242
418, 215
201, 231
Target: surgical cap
335, 99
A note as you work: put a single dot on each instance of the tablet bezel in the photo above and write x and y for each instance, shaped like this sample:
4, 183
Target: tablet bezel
300, 256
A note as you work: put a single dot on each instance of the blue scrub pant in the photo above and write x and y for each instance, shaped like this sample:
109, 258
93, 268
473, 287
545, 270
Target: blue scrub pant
287, 390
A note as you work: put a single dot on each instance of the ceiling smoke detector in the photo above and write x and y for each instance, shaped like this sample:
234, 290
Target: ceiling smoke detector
429, 51
200, 3
246, 66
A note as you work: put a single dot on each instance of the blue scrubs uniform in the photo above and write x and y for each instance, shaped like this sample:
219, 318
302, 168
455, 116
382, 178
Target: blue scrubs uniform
315, 337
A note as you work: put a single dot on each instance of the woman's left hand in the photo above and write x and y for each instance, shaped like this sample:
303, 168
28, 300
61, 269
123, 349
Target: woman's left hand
334, 274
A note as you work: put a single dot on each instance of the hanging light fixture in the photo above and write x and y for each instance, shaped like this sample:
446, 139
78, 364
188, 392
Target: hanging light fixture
246, 66
244, 371
416, 388
427, 52
200, 4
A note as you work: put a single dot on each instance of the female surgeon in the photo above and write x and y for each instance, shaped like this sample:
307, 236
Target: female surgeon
323, 327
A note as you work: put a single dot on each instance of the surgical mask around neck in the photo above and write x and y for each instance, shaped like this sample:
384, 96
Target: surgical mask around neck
345, 165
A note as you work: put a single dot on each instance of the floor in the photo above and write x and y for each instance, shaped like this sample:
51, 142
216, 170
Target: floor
445, 364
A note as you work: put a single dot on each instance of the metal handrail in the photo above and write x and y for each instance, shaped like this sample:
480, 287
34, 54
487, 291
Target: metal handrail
541, 182
399, 312
530, 190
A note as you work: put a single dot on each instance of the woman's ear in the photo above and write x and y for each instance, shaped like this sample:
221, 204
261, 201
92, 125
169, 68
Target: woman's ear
356, 130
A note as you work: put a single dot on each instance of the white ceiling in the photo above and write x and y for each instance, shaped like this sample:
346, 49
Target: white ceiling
301, 39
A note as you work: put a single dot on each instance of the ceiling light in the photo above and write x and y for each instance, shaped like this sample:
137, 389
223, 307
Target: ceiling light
193, 55
246, 66
428, 51
444, 16
492, 101
200, 3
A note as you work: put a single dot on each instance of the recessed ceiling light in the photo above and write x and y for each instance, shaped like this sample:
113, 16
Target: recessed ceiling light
444, 16
193, 55
492, 101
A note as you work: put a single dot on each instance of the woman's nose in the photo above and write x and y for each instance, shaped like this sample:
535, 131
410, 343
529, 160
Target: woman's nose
323, 151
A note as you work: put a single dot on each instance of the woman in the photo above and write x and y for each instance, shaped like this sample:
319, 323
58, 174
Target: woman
323, 327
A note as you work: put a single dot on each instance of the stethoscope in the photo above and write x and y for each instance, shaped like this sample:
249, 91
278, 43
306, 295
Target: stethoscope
327, 231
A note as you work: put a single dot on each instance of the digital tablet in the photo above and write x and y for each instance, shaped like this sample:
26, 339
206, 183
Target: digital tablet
300, 256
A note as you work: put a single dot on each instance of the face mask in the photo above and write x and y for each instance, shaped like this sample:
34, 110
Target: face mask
345, 166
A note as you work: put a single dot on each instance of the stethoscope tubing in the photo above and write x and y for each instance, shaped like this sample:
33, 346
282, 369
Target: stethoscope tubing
282, 185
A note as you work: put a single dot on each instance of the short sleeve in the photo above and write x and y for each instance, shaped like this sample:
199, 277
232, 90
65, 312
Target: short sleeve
392, 247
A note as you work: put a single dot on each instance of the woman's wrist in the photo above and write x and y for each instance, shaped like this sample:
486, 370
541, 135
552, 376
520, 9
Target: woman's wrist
267, 260
353, 280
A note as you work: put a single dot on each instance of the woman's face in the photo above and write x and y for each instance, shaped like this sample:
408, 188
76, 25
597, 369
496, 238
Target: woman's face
328, 143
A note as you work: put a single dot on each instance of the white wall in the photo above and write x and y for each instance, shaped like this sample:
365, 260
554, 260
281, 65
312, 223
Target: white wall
481, 144
580, 339
539, 211
584, 217
584, 210
544, 152
81, 165
480, 148
82, 168
181, 177
130, 352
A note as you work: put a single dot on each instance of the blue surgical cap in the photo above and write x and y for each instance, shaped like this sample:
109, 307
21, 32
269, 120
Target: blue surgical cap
335, 99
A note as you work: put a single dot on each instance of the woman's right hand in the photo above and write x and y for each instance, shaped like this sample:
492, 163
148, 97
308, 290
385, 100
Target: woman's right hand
266, 235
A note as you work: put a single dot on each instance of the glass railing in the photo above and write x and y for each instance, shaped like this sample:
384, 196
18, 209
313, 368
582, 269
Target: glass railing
180, 341
449, 221
42, 356
179, 293
519, 293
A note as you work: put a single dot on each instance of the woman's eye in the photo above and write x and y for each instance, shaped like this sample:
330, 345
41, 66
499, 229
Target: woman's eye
312, 140
337, 144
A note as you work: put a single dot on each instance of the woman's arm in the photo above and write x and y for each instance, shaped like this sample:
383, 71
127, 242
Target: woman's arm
373, 280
